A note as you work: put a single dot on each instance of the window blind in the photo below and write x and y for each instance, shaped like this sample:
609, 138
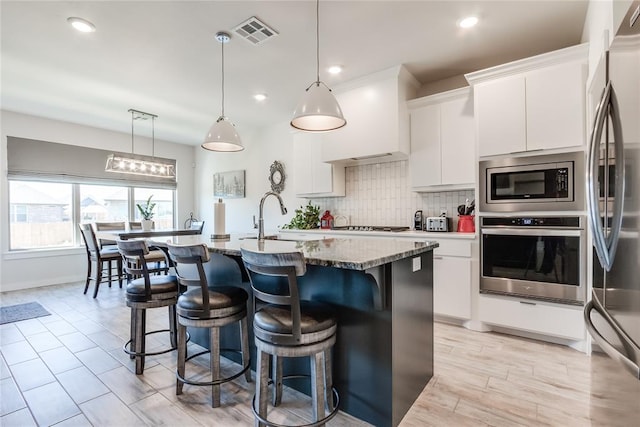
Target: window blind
30, 159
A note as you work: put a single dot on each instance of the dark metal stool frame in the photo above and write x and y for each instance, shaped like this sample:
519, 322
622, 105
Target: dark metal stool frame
316, 344
140, 302
208, 317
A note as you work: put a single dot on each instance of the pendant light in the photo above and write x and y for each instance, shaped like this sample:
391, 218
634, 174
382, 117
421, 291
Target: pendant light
318, 111
222, 135
137, 164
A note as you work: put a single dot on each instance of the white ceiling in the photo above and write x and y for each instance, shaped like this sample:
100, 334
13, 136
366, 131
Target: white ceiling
161, 56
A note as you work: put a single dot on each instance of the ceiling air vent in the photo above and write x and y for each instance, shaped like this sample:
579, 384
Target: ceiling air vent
255, 31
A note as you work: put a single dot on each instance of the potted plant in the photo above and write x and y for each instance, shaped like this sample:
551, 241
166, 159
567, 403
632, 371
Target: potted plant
306, 218
146, 211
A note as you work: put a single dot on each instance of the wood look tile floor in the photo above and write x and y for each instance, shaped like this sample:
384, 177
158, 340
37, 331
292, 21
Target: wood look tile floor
68, 369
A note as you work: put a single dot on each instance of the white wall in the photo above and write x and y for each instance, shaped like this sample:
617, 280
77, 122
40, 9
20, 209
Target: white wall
40, 268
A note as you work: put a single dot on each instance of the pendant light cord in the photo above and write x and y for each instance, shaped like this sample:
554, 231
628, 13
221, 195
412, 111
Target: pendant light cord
132, 119
222, 43
318, 42
153, 136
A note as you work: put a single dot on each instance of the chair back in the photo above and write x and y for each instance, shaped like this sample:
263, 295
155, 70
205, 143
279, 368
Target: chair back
106, 226
285, 264
133, 258
197, 225
89, 237
135, 225
192, 255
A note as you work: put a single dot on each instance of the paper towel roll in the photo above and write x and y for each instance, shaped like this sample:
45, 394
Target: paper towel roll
218, 218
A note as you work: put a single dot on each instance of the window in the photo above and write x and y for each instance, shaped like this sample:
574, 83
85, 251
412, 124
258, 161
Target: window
104, 203
163, 213
40, 215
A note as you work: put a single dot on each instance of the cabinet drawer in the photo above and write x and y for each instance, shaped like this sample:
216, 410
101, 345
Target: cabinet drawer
537, 317
457, 248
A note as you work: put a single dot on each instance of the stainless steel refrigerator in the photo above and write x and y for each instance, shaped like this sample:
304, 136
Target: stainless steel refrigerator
613, 185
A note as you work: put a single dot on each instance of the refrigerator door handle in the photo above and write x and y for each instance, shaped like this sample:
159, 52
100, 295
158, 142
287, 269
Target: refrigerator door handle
593, 211
611, 351
618, 201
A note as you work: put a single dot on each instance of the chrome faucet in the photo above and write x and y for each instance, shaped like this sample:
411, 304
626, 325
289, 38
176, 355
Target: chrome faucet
261, 217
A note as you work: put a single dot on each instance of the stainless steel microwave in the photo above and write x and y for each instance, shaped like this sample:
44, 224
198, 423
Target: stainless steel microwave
553, 182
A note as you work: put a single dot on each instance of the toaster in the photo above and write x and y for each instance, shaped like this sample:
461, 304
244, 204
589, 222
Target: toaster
437, 223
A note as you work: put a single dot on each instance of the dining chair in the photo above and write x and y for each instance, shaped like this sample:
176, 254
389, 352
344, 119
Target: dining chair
197, 225
99, 256
108, 226
156, 256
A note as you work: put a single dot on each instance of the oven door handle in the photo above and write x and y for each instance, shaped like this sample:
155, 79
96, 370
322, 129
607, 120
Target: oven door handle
532, 232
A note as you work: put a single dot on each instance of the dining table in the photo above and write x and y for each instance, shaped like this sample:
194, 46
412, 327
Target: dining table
150, 234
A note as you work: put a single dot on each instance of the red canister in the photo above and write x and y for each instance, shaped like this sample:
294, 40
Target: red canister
466, 224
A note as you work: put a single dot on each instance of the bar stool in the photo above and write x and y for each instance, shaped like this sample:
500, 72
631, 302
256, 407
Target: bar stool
212, 308
285, 326
147, 291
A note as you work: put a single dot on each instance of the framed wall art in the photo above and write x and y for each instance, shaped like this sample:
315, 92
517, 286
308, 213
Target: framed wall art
229, 185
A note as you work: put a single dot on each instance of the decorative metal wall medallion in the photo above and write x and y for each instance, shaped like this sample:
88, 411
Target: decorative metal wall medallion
277, 176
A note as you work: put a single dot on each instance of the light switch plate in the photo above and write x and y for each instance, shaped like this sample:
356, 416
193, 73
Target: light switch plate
417, 263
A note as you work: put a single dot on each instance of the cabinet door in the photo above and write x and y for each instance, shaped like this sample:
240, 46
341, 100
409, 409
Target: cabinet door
500, 116
555, 107
452, 286
322, 173
302, 162
425, 146
457, 142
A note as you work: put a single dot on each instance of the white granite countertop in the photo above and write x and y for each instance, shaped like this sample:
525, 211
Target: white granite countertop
349, 253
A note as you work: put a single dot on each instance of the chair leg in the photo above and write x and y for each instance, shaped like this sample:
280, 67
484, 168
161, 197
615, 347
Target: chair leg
86, 285
172, 326
317, 385
214, 345
98, 277
262, 383
119, 265
328, 379
244, 346
141, 315
182, 355
109, 271
276, 375
132, 345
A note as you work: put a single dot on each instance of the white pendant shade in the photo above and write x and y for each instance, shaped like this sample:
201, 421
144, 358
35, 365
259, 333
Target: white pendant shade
318, 111
222, 136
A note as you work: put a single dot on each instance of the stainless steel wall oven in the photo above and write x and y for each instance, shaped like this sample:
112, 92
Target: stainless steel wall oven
534, 257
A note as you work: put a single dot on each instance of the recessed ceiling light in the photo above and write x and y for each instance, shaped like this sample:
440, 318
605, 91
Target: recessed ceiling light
81, 25
468, 22
335, 69
260, 96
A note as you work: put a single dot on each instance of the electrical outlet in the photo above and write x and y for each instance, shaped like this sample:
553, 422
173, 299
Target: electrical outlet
443, 212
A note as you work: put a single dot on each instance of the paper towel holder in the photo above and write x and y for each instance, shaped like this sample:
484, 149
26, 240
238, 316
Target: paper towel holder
277, 176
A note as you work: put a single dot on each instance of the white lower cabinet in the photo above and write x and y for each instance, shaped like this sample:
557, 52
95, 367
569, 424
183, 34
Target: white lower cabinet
452, 279
563, 321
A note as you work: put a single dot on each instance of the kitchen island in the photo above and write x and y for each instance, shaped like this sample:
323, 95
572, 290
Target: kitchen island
382, 293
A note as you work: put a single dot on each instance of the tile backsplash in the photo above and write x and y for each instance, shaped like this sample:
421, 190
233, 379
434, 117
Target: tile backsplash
380, 194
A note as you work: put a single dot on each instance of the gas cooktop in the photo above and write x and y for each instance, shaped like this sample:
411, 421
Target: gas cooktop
371, 228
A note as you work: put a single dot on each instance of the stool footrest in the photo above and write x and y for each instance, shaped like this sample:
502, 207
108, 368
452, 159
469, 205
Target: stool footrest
133, 353
327, 418
219, 380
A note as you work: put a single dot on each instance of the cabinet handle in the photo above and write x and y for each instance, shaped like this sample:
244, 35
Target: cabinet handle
527, 303
437, 257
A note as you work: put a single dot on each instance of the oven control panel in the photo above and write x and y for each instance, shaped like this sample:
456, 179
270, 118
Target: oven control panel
532, 221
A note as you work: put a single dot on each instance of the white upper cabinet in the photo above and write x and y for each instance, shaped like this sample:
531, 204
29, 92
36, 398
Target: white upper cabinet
533, 104
377, 127
442, 141
313, 177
